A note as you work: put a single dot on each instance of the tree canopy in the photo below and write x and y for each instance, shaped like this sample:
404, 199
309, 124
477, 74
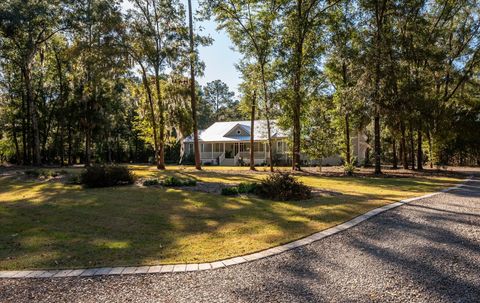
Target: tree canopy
85, 81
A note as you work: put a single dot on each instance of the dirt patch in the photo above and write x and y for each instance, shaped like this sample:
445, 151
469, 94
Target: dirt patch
208, 187
324, 193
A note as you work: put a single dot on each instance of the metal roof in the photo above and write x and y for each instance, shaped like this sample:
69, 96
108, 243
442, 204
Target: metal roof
218, 131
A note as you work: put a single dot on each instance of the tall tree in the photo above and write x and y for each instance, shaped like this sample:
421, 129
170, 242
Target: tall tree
25, 27
193, 93
341, 67
252, 27
219, 96
301, 49
157, 26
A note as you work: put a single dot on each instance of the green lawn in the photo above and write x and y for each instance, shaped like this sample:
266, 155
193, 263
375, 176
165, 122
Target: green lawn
52, 225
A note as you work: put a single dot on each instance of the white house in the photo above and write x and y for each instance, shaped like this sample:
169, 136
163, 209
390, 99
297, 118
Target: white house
228, 143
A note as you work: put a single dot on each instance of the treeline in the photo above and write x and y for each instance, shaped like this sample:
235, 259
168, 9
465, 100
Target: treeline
84, 81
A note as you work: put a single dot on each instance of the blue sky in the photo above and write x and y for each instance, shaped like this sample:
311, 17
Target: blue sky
219, 58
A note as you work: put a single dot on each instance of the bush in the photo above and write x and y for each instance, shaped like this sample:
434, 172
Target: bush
105, 176
283, 187
74, 180
44, 173
34, 173
230, 191
247, 188
349, 169
175, 182
150, 182
242, 188
189, 182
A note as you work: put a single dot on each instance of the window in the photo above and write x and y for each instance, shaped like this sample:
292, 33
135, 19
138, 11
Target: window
238, 132
218, 147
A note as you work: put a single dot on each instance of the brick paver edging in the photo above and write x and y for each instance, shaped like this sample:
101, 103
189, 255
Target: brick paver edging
218, 264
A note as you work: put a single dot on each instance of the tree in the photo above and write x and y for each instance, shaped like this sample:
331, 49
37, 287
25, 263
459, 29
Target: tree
219, 96
319, 130
341, 67
193, 96
301, 51
157, 27
252, 28
25, 27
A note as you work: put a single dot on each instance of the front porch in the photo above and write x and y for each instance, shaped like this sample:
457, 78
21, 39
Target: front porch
237, 153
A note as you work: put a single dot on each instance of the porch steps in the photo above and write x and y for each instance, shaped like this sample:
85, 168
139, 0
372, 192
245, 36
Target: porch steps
228, 162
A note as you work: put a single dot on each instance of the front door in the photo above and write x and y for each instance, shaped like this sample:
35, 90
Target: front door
230, 150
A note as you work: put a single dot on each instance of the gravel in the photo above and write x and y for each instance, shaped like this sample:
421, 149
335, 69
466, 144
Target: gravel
426, 251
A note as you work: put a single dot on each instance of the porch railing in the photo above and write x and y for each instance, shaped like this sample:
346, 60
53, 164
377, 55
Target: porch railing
257, 155
221, 158
210, 155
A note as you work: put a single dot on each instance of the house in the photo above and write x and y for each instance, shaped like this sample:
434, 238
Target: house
228, 143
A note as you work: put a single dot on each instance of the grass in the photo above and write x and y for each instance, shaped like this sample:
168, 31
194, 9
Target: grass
52, 225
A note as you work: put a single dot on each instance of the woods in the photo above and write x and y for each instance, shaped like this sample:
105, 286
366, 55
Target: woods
88, 81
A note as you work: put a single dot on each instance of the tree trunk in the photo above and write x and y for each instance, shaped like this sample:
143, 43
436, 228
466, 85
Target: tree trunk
412, 147
146, 85
62, 146
379, 21
161, 141
378, 151
63, 97
394, 148
430, 148
88, 142
297, 86
196, 147
24, 133
252, 133
366, 163
403, 146
33, 115
109, 150
15, 141
419, 150
347, 139
267, 115
70, 160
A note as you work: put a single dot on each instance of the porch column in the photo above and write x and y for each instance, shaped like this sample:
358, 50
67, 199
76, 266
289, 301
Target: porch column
224, 147
265, 150
212, 145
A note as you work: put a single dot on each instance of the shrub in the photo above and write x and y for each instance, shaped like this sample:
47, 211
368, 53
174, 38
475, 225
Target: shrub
105, 176
189, 182
242, 188
283, 187
150, 182
175, 182
349, 169
34, 173
75, 180
247, 188
44, 173
230, 191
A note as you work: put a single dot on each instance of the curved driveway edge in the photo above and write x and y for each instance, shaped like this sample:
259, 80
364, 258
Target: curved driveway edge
217, 264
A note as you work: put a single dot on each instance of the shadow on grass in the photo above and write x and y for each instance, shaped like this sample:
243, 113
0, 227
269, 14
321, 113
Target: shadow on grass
426, 248
50, 225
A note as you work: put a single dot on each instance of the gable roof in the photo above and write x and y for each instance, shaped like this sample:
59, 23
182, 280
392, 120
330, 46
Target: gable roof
219, 131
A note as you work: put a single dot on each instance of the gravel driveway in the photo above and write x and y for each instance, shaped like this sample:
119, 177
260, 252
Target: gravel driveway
427, 251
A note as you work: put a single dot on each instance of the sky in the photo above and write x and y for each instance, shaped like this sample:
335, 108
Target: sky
219, 57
